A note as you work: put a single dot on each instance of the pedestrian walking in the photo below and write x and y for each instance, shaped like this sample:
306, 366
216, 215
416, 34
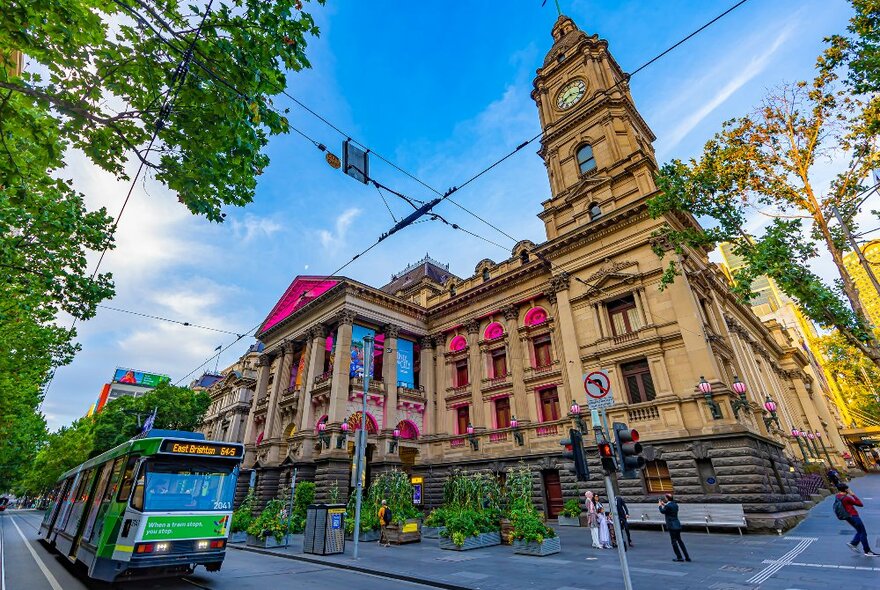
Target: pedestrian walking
833, 476
623, 518
593, 519
669, 507
845, 503
384, 520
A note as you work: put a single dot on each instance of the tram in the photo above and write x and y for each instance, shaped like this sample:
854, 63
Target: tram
158, 505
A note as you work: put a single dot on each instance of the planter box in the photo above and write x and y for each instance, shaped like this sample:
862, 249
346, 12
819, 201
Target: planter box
365, 536
546, 547
408, 532
506, 531
432, 532
569, 521
268, 542
238, 537
481, 540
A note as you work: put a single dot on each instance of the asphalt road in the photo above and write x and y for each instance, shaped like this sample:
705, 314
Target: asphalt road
27, 564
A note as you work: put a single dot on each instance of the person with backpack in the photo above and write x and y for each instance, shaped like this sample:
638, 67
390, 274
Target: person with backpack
384, 520
844, 507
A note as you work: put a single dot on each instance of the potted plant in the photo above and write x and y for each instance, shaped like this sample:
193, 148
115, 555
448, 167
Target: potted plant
396, 490
303, 497
242, 518
570, 515
369, 529
435, 523
269, 529
531, 535
471, 529
470, 516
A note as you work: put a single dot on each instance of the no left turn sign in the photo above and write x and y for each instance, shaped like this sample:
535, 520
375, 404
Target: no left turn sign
598, 388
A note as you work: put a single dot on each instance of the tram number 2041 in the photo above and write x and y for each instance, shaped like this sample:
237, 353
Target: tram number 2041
222, 505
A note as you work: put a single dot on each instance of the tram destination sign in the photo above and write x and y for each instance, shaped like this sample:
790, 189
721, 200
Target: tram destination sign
202, 449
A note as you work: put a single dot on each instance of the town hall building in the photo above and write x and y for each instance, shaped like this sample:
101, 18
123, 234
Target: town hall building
480, 372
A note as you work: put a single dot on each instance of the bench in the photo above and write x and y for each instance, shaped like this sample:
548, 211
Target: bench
707, 515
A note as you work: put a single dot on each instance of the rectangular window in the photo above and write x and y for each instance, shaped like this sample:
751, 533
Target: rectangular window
461, 373
127, 479
502, 412
657, 478
463, 418
499, 363
542, 351
639, 385
549, 404
624, 315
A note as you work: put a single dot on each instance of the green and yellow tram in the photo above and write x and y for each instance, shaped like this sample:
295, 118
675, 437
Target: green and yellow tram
154, 506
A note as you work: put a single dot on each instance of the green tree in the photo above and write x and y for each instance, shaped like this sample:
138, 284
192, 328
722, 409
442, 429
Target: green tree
765, 162
860, 51
858, 377
99, 75
63, 450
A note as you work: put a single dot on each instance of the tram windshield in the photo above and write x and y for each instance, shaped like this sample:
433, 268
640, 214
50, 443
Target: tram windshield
167, 486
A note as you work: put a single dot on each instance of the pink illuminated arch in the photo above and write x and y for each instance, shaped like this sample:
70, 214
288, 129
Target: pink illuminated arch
493, 331
322, 420
458, 343
536, 315
408, 430
354, 423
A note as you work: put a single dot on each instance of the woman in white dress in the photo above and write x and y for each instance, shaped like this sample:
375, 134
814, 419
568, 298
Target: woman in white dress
593, 519
604, 532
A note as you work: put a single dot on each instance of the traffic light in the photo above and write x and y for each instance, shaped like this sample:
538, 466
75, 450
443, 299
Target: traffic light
606, 455
574, 451
629, 450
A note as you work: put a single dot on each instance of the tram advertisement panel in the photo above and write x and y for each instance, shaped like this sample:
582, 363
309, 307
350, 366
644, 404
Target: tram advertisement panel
173, 528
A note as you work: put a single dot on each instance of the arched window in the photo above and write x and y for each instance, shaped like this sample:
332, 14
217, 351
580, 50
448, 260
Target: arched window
452, 289
408, 430
586, 161
485, 274
595, 211
524, 257
535, 316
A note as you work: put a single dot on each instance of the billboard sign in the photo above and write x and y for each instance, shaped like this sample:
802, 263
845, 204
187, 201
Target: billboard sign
132, 377
358, 333
405, 363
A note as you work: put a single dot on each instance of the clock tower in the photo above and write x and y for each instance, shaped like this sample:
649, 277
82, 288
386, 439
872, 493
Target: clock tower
596, 146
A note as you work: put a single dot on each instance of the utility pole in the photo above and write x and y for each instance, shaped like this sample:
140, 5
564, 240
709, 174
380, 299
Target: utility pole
852, 242
361, 451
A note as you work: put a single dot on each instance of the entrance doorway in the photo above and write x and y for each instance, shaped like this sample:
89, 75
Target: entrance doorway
552, 493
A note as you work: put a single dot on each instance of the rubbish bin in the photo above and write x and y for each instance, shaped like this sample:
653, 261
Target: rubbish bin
325, 529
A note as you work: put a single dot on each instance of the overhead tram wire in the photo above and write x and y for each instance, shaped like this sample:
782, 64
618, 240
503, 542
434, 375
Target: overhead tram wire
164, 113
164, 319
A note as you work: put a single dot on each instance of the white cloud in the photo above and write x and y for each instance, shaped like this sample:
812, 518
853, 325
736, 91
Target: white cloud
746, 74
333, 240
253, 227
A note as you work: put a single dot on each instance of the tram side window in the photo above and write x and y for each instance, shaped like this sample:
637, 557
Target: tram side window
127, 479
114, 479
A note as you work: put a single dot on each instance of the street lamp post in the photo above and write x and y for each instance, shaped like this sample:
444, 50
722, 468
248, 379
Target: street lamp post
472, 438
575, 413
797, 436
342, 436
395, 436
824, 448
770, 406
740, 402
706, 389
323, 435
812, 438
517, 435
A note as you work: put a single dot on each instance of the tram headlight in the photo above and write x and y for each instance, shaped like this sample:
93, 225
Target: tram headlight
162, 547
202, 545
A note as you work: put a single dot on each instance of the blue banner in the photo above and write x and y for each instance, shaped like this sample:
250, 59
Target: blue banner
357, 350
405, 373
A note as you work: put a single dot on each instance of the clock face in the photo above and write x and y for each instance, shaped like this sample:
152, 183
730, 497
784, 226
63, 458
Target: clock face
570, 94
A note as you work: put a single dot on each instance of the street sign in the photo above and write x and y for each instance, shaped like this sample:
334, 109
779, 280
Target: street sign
598, 388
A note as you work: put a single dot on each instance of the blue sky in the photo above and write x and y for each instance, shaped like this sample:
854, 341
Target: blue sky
442, 89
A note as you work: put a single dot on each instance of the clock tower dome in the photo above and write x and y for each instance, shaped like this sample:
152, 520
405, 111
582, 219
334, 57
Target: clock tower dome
596, 146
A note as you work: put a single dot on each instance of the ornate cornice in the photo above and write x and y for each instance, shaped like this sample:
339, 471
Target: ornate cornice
426, 342
511, 312
473, 326
560, 282
318, 331
347, 317
264, 360
391, 330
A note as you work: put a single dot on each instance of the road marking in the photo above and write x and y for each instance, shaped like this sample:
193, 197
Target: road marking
829, 566
2, 555
52, 581
780, 563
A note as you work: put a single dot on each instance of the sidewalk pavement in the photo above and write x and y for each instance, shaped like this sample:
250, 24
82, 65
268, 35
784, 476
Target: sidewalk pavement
811, 556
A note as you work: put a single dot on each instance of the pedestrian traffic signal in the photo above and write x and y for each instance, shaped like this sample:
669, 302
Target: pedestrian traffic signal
629, 450
606, 455
574, 451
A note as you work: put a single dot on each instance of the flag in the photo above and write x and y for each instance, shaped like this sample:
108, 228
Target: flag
148, 425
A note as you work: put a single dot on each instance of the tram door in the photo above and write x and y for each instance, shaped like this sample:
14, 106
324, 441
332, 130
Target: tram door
59, 503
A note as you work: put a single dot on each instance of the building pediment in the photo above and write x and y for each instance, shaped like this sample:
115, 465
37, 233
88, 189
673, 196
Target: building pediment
301, 291
612, 273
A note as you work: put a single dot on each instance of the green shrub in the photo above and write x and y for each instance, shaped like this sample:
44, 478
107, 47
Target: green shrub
528, 526
243, 516
572, 508
461, 524
438, 516
302, 498
271, 522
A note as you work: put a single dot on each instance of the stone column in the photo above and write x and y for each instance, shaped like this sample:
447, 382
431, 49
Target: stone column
279, 384
517, 366
690, 323
318, 338
263, 367
341, 386
571, 359
426, 380
389, 376
441, 379
475, 372
646, 308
